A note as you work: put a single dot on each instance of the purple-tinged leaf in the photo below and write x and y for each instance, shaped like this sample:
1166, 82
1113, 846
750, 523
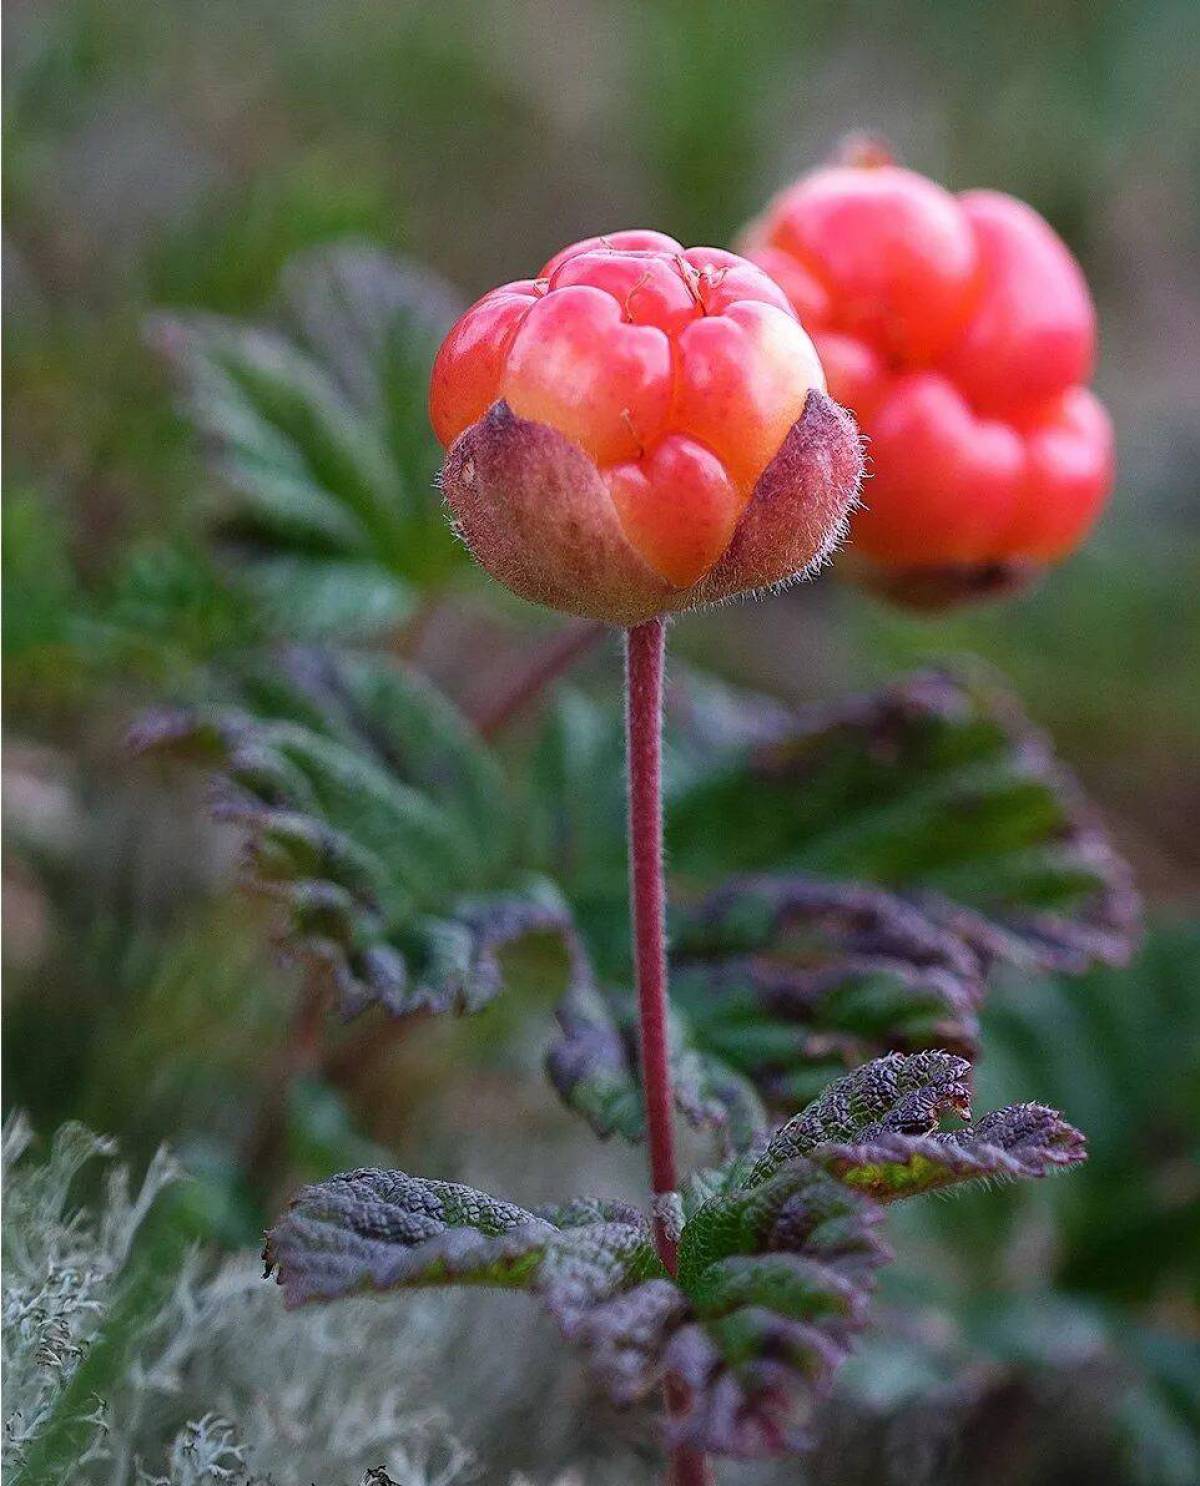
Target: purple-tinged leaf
779, 982
777, 1255
779, 1272
877, 1131
594, 1066
380, 824
1021, 1140
939, 788
790, 980
894, 1094
382, 1230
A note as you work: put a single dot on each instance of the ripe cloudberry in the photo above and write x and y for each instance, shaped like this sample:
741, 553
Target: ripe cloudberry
639, 430
960, 332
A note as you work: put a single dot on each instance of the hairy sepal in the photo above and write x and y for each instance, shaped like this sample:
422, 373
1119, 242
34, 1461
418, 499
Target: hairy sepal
534, 510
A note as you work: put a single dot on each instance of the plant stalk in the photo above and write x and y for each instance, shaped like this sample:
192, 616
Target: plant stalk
645, 652
548, 664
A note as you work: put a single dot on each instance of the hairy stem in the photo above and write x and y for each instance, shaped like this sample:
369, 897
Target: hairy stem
645, 651
547, 665
644, 687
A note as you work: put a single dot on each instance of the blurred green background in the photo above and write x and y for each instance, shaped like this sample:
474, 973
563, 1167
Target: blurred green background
172, 156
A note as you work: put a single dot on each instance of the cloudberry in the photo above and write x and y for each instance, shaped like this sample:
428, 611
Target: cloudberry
961, 333
640, 429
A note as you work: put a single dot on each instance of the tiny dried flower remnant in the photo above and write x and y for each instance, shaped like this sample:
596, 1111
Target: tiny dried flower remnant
961, 333
639, 430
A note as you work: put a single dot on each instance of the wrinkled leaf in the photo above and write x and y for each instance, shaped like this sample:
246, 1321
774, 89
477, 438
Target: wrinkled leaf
792, 980
382, 1230
378, 821
594, 1067
877, 1131
779, 1246
778, 1269
772, 1284
1023, 1140
778, 984
400, 720
937, 787
776, 1257
894, 1094
895, 849
316, 430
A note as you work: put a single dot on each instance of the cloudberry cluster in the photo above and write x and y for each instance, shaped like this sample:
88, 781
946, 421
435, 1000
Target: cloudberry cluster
960, 332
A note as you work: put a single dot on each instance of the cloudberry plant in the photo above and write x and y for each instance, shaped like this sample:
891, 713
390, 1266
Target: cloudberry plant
640, 429
960, 331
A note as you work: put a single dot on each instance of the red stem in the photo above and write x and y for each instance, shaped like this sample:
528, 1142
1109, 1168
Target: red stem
548, 665
645, 650
644, 688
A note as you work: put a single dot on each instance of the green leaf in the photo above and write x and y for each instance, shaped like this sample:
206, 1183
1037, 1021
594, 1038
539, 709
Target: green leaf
779, 1249
321, 599
403, 722
379, 822
375, 323
877, 1131
316, 430
937, 787
779, 1272
792, 980
778, 1298
777, 985
594, 1067
841, 941
576, 811
577, 801
310, 471
382, 1230
776, 1257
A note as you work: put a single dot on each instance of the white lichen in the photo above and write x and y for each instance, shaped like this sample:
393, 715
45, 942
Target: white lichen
216, 1382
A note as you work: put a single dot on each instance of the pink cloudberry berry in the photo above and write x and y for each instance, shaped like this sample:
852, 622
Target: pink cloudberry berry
640, 429
960, 332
